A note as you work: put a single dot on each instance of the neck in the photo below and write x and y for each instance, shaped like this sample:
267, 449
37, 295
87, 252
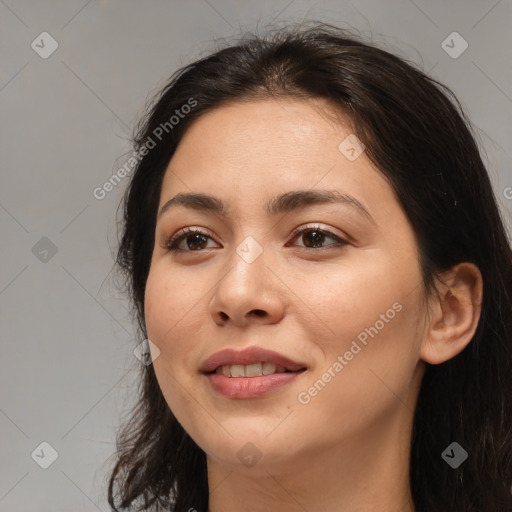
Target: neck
367, 473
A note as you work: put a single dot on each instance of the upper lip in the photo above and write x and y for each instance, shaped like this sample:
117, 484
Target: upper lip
248, 356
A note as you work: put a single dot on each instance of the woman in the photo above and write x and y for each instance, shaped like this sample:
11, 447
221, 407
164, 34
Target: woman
318, 265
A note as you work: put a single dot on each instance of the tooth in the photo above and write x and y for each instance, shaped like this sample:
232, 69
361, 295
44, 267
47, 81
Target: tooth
237, 370
253, 370
250, 370
268, 368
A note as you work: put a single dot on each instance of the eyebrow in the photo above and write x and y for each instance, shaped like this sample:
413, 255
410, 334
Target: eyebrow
283, 203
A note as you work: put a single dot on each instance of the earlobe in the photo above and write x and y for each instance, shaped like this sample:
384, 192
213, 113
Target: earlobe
454, 316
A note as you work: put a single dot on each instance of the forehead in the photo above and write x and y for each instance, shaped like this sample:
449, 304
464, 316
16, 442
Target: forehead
248, 151
277, 123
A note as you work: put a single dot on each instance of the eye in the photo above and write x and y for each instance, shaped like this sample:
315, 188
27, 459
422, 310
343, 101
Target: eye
194, 239
314, 236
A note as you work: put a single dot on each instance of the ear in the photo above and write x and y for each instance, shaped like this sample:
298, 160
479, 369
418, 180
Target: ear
454, 316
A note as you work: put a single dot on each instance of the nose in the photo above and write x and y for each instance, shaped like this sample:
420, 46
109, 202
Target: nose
248, 293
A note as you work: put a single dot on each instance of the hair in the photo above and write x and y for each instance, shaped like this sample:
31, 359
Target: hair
417, 134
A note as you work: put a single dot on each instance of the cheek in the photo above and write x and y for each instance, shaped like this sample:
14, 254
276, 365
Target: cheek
342, 304
366, 372
172, 315
169, 304
369, 319
165, 312
175, 314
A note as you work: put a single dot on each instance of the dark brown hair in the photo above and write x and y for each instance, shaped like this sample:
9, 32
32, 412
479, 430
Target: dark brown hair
416, 133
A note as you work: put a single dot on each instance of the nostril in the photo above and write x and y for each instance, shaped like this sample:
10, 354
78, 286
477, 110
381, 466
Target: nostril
259, 312
223, 315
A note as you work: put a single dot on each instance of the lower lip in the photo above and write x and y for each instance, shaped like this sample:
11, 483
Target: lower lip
250, 387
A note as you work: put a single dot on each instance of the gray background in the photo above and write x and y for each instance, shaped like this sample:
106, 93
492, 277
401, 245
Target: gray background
67, 367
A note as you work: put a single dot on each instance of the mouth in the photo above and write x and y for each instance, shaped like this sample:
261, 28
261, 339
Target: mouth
252, 370
250, 373
250, 362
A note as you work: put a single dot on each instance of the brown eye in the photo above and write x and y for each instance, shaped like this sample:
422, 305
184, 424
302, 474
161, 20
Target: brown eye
188, 240
315, 237
196, 241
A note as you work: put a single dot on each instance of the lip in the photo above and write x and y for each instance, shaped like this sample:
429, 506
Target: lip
250, 387
247, 356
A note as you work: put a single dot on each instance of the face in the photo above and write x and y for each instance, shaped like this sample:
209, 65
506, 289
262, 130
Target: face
333, 286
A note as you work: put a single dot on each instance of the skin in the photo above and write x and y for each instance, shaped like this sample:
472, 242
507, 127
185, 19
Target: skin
347, 449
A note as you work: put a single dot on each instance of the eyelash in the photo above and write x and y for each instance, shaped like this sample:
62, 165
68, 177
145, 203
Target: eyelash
171, 244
